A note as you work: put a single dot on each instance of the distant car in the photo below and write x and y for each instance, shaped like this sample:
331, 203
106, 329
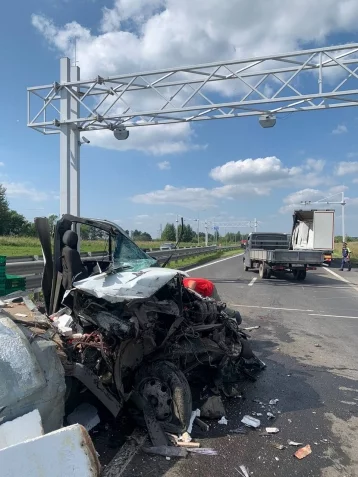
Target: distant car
167, 246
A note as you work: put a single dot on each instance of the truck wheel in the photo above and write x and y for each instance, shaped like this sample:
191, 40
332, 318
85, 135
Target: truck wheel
262, 271
245, 267
301, 275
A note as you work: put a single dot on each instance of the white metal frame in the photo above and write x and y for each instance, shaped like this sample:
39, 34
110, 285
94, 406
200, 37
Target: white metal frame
326, 200
253, 87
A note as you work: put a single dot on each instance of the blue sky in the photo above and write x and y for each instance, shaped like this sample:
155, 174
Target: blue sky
130, 185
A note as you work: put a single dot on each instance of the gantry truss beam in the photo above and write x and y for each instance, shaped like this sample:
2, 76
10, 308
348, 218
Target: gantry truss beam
321, 78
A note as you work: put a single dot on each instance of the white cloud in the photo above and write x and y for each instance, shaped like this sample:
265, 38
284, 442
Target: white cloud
316, 165
340, 129
355, 181
20, 190
2, 164
163, 166
139, 35
197, 198
269, 172
143, 216
347, 167
252, 170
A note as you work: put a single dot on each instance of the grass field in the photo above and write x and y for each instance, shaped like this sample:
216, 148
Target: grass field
354, 249
21, 246
187, 262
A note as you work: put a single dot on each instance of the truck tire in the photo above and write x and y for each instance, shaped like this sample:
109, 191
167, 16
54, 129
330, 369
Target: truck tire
301, 275
262, 271
245, 267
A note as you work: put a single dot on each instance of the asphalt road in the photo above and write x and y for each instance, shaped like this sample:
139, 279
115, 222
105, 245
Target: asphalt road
308, 339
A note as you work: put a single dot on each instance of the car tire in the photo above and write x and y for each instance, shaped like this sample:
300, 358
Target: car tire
168, 391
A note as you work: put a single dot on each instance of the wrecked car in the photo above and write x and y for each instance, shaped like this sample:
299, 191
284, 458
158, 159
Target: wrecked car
133, 334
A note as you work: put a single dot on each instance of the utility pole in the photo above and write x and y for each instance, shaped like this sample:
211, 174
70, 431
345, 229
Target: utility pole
342, 202
206, 234
177, 229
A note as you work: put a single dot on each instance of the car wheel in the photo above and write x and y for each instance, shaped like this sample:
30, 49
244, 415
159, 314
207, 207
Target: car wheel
166, 388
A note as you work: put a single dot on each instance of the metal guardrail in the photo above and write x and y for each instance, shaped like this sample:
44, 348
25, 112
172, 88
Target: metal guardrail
32, 267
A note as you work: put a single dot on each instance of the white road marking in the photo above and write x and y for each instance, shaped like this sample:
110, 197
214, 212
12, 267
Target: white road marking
336, 275
334, 316
270, 308
252, 282
310, 312
213, 263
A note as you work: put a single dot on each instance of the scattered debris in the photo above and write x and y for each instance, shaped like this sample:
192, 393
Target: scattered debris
223, 420
203, 425
270, 415
257, 401
250, 328
272, 402
303, 452
278, 446
251, 421
166, 451
289, 420
84, 414
317, 345
272, 430
185, 437
239, 430
204, 450
293, 443
21, 315
188, 444
244, 471
276, 458
167, 458
259, 414
213, 408
194, 415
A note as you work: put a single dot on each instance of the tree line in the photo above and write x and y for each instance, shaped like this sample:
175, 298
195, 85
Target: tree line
190, 235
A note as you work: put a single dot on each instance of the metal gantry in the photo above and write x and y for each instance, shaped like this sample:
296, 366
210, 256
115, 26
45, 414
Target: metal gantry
326, 200
266, 86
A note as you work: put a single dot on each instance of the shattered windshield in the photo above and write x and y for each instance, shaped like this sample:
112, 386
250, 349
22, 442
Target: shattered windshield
127, 254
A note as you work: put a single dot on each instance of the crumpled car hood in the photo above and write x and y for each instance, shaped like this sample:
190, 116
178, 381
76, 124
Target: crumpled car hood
127, 286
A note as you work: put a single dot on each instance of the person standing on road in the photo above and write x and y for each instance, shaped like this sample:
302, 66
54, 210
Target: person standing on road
346, 257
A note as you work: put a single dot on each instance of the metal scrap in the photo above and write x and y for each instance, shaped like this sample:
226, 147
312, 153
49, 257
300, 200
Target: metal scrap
293, 443
244, 471
278, 446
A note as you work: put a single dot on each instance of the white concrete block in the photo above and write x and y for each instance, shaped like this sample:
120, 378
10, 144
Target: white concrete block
21, 429
68, 452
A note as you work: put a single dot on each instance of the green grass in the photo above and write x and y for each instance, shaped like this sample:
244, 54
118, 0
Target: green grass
22, 246
202, 259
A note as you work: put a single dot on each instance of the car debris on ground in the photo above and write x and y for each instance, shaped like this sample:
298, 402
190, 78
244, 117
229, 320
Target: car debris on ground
303, 452
272, 430
251, 421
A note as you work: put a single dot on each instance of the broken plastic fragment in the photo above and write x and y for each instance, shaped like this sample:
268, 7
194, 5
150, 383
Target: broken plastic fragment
194, 414
251, 421
223, 420
185, 437
249, 328
273, 401
303, 452
270, 415
84, 414
244, 471
272, 430
293, 443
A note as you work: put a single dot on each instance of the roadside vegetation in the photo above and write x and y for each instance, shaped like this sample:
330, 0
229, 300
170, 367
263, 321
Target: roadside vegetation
354, 249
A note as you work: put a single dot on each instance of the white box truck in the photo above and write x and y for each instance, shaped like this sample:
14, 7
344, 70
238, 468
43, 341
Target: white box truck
314, 230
